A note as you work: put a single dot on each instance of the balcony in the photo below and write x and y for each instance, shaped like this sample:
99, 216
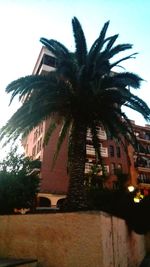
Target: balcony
144, 179
143, 137
45, 69
91, 152
143, 169
101, 134
104, 152
142, 164
88, 168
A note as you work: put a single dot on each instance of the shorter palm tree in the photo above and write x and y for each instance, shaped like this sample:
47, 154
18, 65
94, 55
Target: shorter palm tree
84, 92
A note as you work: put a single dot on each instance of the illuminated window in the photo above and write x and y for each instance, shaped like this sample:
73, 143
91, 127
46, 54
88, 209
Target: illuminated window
119, 166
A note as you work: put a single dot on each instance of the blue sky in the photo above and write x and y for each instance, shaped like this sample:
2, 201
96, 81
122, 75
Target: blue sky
22, 23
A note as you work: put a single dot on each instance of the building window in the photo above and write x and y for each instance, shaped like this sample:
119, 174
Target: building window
118, 151
112, 168
111, 151
147, 136
119, 167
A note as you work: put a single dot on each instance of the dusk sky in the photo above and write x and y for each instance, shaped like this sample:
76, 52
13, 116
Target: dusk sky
22, 23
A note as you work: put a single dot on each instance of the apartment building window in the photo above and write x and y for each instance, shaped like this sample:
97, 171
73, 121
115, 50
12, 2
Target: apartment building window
118, 152
111, 151
147, 136
112, 168
49, 60
119, 167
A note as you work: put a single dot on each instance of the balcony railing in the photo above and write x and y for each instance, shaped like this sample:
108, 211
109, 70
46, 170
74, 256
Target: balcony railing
143, 137
45, 68
101, 134
144, 179
143, 169
103, 150
88, 167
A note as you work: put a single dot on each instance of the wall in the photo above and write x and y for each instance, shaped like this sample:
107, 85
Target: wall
54, 180
89, 239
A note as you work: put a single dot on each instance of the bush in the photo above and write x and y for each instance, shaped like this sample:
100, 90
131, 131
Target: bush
18, 183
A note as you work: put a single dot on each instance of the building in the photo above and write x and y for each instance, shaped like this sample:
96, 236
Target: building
140, 161
54, 182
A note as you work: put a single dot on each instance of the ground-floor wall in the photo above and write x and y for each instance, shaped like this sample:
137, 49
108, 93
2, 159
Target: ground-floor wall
89, 239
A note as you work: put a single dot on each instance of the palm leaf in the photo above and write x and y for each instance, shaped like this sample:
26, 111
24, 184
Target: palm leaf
128, 79
80, 42
112, 40
117, 49
62, 136
138, 105
58, 46
49, 46
122, 59
95, 49
49, 132
25, 85
98, 44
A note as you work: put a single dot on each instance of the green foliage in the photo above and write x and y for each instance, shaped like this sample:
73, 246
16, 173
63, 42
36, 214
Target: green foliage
18, 182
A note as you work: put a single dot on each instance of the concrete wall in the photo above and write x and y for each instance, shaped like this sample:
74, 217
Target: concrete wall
89, 239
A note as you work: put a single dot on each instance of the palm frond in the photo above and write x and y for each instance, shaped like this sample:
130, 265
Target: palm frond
58, 47
98, 44
95, 49
121, 80
80, 42
49, 132
49, 46
117, 49
122, 59
119, 126
111, 40
137, 104
62, 136
128, 79
25, 85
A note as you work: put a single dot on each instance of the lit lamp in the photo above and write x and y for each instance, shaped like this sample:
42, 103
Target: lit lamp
131, 188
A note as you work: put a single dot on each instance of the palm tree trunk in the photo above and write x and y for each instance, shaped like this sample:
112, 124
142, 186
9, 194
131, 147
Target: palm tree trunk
76, 197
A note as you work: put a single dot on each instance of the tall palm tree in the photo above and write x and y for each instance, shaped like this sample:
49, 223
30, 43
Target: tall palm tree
85, 92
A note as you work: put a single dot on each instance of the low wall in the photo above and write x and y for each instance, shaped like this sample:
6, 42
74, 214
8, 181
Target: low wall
85, 239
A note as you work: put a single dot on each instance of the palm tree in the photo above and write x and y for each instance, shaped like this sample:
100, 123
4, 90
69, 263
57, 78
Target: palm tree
84, 92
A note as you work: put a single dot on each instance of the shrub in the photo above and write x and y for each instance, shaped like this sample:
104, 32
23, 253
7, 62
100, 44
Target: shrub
19, 184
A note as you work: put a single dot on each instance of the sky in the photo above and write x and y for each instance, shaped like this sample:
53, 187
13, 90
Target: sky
24, 22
